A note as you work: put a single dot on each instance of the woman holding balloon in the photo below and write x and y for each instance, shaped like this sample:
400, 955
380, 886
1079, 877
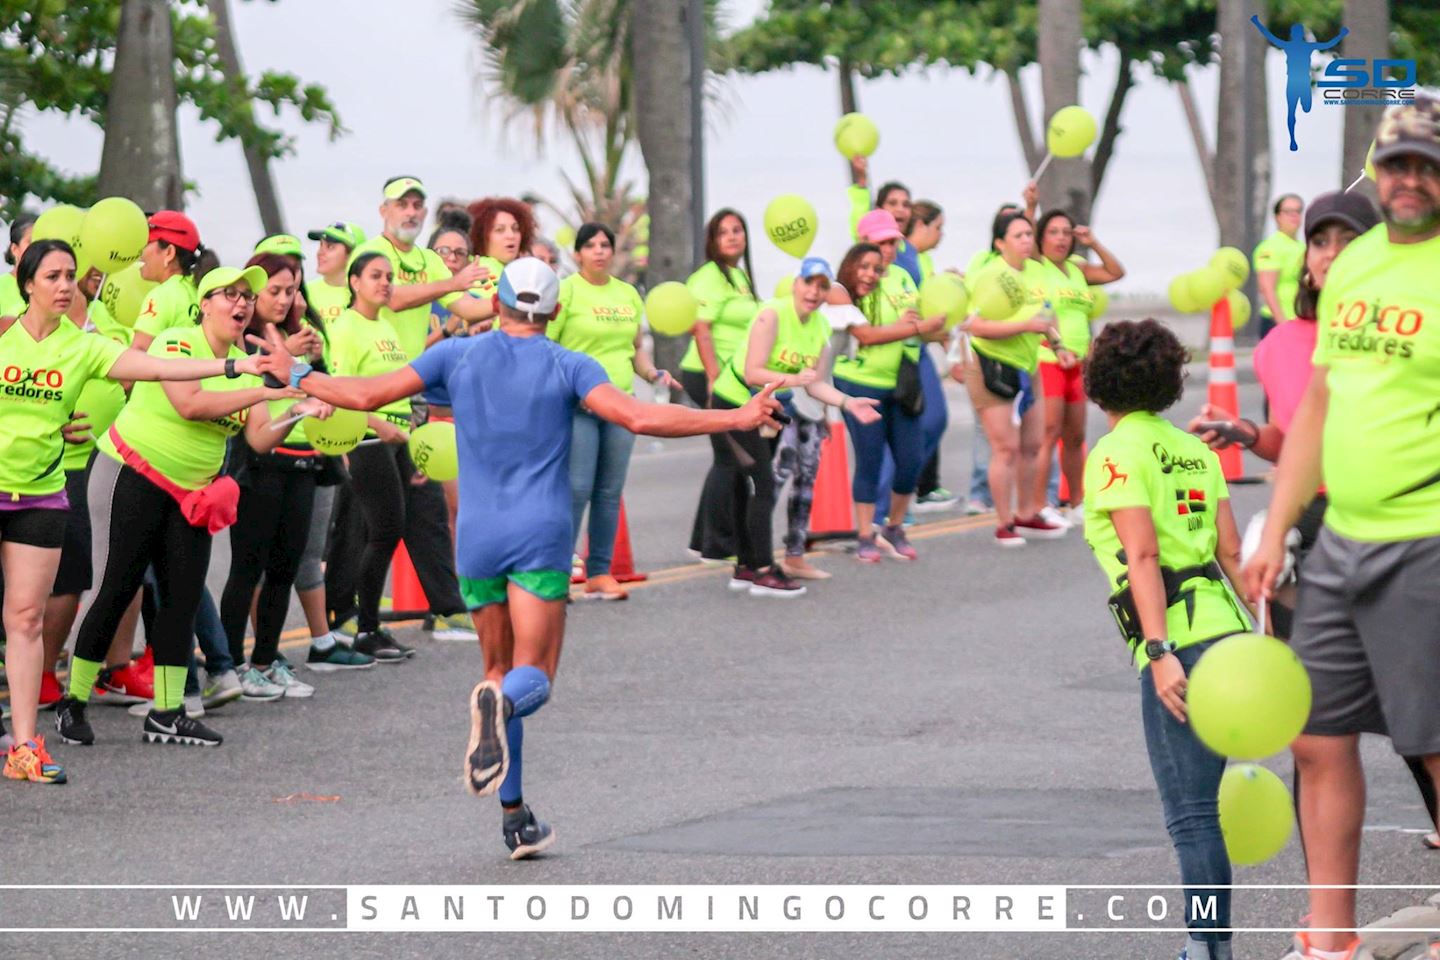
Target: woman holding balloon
600, 316
173, 260
1068, 289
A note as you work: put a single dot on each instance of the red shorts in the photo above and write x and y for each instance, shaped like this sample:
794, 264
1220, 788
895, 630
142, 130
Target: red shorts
1069, 385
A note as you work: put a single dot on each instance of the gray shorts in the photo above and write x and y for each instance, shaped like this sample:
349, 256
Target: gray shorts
1367, 628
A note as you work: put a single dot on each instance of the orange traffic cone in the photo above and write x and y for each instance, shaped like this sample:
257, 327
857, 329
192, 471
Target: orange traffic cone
406, 595
833, 515
622, 562
1223, 391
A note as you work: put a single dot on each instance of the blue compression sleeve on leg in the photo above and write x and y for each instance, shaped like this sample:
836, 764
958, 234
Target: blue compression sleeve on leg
527, 689
510, 792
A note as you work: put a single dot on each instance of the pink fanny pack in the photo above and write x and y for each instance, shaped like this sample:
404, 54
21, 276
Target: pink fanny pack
214, 506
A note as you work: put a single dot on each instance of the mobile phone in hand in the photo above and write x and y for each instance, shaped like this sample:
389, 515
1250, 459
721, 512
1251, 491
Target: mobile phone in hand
1228, 429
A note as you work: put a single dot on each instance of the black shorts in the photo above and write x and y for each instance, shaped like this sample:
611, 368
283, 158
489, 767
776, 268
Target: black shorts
76, 571
37, 527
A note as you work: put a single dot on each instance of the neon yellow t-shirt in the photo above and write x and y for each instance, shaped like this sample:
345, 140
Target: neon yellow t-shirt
487, 288
1381, 447
878, 366
100, 394
188, 452
798, 345
978, 262
727, 305
1148, 462
1286, 256
11, 303
1021, 351
173, 303
414, 266
366, 348
927, 264
601, 322
39, 384
1070, 297
329, 301
106, 324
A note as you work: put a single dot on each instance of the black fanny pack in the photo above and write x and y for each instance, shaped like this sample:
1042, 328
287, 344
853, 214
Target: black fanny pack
1122, 601
908, 392
1000, 378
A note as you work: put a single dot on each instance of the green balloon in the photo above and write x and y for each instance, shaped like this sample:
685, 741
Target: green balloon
790, 223
1070, 132
856, 136
1239, 309
998, 295
1099, 302
340, 433
1180, 296
434, 452
1232, 264
1257, 815
944, 293
1249, 697
670, 308
123, 294
114, 234
62, 222
1207, 286
1370, 161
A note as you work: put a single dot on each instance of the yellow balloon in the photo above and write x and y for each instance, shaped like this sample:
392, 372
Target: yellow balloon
1180, 296
944, 293
1257, 814
565, 237
671, 309
341, 433
1239, 309
434, 452
856, 136
790, 223
1232, 264
1249, 697
1099, 302
123, 294
784, 286
998, 295
61, 222
1070, 132
1207, 285
1370, 161
114, 233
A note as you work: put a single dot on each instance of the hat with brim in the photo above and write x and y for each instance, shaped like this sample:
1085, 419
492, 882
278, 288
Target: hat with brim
341, 231
1354, 210
399, 186
281, 243
877, 226
812, 267
1410, 129
529, 285
222, 277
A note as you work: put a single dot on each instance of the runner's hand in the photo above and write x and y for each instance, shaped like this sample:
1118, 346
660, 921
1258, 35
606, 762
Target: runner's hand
957, 372
276, 360
77, 429
1168, 675
283, 393
757, 411
863, 409
311, 407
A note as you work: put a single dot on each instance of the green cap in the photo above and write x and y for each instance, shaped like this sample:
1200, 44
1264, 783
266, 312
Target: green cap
397, 187
341, 231
281, 243
222, 277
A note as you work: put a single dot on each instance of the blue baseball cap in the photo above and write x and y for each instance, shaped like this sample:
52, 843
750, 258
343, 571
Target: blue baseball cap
815, 267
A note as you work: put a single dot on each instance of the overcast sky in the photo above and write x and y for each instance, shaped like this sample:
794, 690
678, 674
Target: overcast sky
408, 88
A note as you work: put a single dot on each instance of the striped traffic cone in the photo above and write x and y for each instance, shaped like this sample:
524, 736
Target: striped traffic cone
1223, 390
408, 598
832, 517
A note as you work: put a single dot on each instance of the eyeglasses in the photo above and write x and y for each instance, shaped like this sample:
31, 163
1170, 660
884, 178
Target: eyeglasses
1405, 165
233, 294
1293, 211
453, 251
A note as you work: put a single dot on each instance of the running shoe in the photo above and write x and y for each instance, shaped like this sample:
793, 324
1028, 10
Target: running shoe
172, 726
144, 667
869, 551
257, 687
221, 689
605, 587
773, 583
742, 578
1038, 528
31, 761
455, 626
140, 709
284, 677
338, 657
577, 568
487, 758
194, 706
973, 508
347, 632
50, 692
1007, 537
404, 648
380, 646
894, 542
798, 568
1302, 950
1076, 515
71, 724
935, 501
525, 835
122, 686
1054, 516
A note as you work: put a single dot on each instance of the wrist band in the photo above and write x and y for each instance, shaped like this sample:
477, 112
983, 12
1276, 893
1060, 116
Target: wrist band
230, 372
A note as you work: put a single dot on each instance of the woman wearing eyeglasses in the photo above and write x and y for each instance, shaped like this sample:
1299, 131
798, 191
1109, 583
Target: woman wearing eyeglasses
156, 498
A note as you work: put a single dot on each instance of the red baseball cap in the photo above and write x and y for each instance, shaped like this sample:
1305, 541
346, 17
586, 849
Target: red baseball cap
175, 228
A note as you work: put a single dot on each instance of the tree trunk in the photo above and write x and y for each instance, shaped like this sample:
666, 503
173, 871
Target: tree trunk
662, 65
1021, 110
848, 101
1369, 23
1203, 152
1242, 142
1066, 185
1110, 130
261, 181
141, 156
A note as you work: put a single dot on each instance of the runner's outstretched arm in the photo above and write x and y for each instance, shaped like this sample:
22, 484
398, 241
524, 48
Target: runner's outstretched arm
673, 420
351, 393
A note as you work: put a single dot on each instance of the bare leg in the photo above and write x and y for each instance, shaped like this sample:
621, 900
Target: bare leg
1054, 417
1072, 455
538, 630
1032, 430
1332, 812
899, 506
29, 574
1004, 454
497, 639
313, 603
122, 648
865, 519
59, 618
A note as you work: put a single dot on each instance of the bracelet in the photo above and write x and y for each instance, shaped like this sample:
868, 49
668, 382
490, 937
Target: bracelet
230, 372
1255, 434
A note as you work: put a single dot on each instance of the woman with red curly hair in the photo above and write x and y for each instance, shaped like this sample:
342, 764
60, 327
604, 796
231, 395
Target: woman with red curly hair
501, 230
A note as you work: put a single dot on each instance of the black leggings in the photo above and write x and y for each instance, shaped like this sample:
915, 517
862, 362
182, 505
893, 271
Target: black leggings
713, 533
136, 525
378, 508
751, 457
268, 539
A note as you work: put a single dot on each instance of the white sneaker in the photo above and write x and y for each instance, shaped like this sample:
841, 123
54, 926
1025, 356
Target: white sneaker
194, 706
141, 709
220, 689
457, 627
1076, 515
1052, 515
292, 686
254, 685
974, 508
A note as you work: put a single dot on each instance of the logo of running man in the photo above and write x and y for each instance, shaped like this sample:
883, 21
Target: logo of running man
1297, 50
1115, 475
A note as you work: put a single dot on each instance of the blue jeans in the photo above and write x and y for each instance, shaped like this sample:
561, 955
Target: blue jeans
1187, 775
895, 430
213, 644
599, 461
934, 419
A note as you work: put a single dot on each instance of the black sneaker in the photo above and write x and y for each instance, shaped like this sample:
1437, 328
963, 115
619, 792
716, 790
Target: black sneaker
381, 646
742, 578
524, 835
404, 648
70, 722
773, 583
487, 758
173, 726
337, 658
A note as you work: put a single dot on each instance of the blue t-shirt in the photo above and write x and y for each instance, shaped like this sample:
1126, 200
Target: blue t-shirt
514, 399
907, 258
437, 395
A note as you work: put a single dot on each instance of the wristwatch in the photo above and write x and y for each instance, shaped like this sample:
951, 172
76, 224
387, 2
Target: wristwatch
299, 370
230, 372
1156, 649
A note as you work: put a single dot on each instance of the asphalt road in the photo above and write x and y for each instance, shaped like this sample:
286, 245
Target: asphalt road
968, 719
